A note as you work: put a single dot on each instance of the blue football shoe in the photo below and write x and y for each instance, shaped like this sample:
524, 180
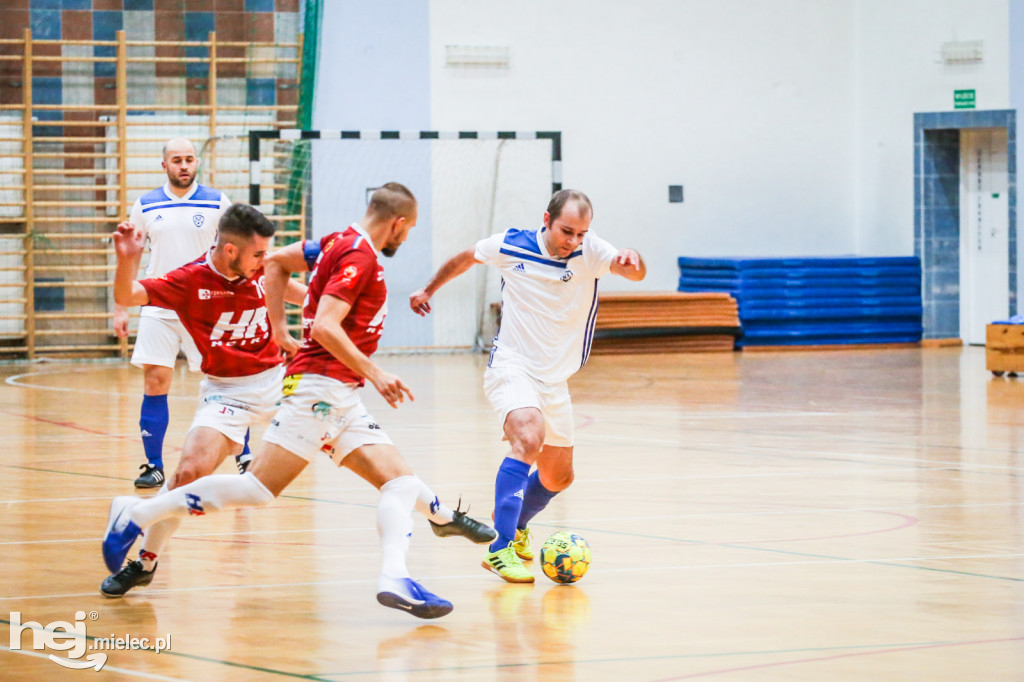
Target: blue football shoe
121, 532
405, 594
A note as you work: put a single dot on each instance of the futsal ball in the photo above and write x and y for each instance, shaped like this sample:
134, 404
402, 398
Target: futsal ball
565, 557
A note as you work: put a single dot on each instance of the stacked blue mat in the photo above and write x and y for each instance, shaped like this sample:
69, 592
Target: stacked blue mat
815, 301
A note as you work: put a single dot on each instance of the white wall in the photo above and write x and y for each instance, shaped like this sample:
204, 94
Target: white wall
748, 104
900, 73
789, 122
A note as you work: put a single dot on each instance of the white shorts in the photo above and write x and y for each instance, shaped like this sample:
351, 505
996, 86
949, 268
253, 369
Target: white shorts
320, 414
510, 388
232, 404
158, 341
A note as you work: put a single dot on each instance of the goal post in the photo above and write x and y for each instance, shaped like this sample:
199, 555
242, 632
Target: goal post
469, 184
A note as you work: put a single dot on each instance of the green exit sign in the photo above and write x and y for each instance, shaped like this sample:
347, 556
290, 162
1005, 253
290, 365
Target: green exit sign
963, 99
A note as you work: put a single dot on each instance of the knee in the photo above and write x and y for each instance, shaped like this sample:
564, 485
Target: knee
185, 474
528, 444
559, 480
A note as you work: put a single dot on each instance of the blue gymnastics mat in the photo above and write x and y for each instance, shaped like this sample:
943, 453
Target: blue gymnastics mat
806, 301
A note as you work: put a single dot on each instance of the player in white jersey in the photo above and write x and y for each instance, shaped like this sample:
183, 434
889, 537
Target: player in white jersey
180, 222
548, 310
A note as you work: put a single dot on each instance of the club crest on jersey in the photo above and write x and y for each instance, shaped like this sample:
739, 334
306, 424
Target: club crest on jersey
198, 219
567, 276
348, 274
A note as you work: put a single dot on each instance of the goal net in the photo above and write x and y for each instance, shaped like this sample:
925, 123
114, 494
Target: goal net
469, 186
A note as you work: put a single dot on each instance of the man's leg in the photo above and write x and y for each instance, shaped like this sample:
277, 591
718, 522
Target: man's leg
384, 468
271, 472
153, 419
552, 475
205, 448
524, 428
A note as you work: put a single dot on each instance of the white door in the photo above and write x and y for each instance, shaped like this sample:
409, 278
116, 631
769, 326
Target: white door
984, 232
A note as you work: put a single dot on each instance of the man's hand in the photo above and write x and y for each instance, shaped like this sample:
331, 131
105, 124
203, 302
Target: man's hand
391, 387
627, 257
128, 242
121, 322
288, 344
419, 301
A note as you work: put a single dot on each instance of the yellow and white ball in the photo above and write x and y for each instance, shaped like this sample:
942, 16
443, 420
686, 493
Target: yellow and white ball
565, 557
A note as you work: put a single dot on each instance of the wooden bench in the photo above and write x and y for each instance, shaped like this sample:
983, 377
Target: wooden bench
665, 322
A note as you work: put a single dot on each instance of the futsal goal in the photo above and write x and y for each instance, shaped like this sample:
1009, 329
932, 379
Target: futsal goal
469, 184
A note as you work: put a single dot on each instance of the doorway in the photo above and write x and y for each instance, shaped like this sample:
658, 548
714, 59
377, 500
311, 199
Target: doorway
965, 237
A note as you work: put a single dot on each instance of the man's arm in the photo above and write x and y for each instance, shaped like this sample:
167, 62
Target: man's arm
419, 301
278, 268
128, 249
327, 331
629, 264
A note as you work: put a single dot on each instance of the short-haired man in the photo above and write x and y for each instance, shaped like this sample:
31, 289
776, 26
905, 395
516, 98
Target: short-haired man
321, 410
221, 303
179, 220
548, 310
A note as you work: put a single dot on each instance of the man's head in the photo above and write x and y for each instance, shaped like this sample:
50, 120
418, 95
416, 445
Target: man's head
243, 238
567, 221
393, 207
180, 162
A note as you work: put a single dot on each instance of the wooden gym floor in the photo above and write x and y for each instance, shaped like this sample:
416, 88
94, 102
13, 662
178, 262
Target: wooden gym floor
821, 515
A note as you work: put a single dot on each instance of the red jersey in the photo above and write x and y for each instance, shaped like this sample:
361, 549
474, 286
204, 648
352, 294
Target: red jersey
226, 318
347, 268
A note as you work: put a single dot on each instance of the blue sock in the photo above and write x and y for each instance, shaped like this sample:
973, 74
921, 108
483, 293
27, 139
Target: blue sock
246, 452
535, 499
509, 489
153, 426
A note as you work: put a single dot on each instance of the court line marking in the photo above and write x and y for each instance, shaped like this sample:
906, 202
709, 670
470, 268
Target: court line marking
770, 550
106, 668
820, 560
887, 650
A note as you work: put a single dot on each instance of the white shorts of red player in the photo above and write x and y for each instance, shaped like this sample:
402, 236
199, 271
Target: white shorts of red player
320, 414
158, 342
231, 405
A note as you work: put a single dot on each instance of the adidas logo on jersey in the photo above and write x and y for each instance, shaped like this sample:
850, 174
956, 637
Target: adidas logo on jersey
145, 434
158, 218
519, 268
519, 494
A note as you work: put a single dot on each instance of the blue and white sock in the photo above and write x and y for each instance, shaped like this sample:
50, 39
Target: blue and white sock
246, 453
509, 490
535, 499
153, 421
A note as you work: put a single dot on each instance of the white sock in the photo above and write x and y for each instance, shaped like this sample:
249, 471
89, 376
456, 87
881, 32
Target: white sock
431, 507
394, 524
202, 496
156, 537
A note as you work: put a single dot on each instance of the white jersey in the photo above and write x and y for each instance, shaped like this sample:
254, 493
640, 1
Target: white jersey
548, 304
179, 230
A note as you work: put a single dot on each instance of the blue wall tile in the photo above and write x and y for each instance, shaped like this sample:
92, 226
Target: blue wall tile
138, 4
44, 4
105, 25
48, 299
76, 4
260, 91
259, 5
197, 28
45, 24
47, 90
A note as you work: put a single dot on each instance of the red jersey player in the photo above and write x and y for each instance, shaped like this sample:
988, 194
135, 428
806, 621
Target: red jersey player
220, 301
321, 410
